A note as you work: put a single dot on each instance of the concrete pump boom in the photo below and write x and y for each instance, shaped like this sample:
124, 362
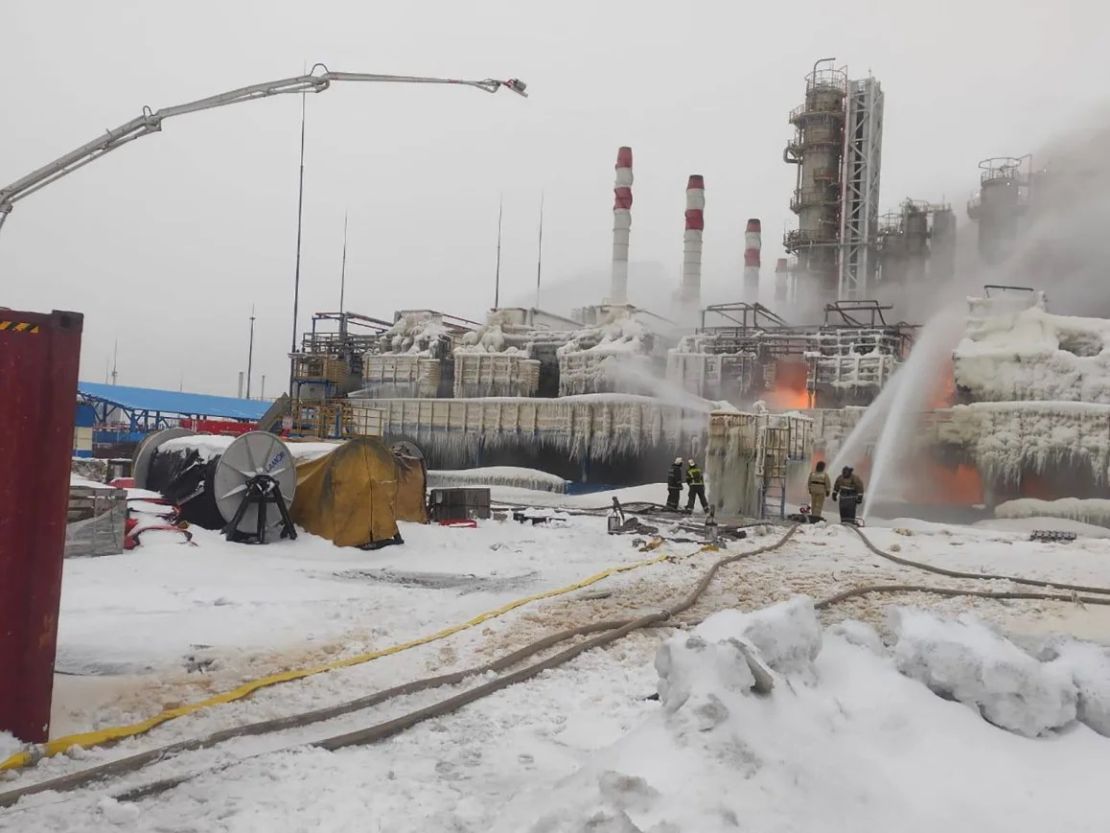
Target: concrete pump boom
151, 121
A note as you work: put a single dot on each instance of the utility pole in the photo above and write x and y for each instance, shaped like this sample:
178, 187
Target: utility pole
250, 354
497, 271
343, 267
539, 254
297, 270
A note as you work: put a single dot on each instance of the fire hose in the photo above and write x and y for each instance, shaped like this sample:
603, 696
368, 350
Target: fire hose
611, 631
943, 571
614, 630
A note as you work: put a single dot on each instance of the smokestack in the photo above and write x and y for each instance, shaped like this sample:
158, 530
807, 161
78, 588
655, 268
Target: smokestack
690, 292
781, 279
622, 225
753, 243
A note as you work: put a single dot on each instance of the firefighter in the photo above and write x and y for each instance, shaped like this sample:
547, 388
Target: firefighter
674, 484
848, 492
819, 488
696, 482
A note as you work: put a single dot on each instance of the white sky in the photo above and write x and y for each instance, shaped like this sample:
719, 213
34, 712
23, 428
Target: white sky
166, 243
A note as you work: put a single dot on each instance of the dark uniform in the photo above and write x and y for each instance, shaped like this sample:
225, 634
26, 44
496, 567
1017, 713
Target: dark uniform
819, 489
674, 485
696, 482
848, 490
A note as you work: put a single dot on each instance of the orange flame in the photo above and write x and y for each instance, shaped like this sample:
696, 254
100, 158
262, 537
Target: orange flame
790, 391
937, 484
943, 394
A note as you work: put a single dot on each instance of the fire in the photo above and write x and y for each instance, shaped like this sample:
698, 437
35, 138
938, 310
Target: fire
790, 391
1036, 486
935, 483
787, 399
943, 394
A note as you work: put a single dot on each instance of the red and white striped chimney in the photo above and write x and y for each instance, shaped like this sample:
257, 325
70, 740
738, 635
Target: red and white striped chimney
690, 292
753, 243
781, 279
622, 226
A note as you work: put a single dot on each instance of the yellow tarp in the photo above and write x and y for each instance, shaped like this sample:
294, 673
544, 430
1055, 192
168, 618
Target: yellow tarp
412, 482
355, 495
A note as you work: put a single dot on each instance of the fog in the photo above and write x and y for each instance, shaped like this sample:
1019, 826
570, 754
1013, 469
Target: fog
166, 243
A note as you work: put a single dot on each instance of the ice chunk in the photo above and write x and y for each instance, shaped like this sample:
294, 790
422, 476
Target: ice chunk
691, 670
787, 635
965, 660
1089, 667
859, 633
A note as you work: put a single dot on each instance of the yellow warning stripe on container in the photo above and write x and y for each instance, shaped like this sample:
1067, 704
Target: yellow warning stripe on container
101, 736
19, 327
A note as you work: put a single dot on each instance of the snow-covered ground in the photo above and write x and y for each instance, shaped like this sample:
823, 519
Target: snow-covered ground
848, 739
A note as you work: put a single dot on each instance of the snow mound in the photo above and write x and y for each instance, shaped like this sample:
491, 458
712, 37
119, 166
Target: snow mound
736, 653
1095, 511
861, 748
964, 660
1088, 665
787, 635
513, 476
860, 634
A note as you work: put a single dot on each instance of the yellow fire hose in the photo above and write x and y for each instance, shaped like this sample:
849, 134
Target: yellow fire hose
99, 737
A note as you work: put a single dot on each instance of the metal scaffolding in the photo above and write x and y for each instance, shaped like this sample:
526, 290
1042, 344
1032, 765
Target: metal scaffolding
859, 217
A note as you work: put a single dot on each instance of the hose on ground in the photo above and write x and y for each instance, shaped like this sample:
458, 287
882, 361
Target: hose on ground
389, 728
122, 766
955, 591
944, 571
133, 762
611, 631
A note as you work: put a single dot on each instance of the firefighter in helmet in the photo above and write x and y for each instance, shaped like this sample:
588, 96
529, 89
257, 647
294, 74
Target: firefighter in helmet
819, 488
848, 492
696, 481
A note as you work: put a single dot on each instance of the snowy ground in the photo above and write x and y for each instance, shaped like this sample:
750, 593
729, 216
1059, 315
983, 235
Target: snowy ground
851, 744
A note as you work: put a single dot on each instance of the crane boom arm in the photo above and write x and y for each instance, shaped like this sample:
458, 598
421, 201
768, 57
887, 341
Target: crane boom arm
151, 120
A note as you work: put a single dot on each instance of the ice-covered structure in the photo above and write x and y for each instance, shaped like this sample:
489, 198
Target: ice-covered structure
414, 357
751, 458
1035, 388
1032, 418
744, 352
1028, 353
617, 355
610, 438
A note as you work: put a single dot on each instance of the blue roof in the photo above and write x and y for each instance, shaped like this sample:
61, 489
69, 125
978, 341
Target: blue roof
174, 402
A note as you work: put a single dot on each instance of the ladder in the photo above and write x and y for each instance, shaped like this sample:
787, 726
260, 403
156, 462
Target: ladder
775, 451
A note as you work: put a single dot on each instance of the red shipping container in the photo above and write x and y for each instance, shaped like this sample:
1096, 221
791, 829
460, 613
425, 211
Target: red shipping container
39, 360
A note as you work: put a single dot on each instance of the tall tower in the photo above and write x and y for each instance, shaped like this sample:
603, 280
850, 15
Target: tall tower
753, 245
689, 293
942, 245
818, 150
837, 147
622, 226
1000, 204
859, 217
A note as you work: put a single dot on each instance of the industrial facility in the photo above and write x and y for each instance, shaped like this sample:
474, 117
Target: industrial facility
608, 394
